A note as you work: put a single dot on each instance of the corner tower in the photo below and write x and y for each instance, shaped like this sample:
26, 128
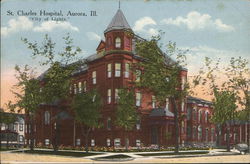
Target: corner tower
118, 34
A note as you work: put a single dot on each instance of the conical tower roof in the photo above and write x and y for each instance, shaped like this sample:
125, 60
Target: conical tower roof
118, 22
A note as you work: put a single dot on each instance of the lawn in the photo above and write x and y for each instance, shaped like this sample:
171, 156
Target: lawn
5, 149
117, 157
172, 153
62, 153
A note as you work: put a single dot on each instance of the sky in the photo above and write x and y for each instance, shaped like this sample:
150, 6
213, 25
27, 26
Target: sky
212, 28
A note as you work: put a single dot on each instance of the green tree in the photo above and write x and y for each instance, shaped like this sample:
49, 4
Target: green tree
161, 75
55, 82
126, 113
28, 97
224, 111
87, 107
230, 82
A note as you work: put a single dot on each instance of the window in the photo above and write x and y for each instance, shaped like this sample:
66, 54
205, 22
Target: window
189, 131
21, 127
235, 137
21, 138
167, 103
78, 142
138, 143
206, 135
137, 75
182, 127
55, 125
109, 96
47, 118
182, 106
109, 123
108, 142
117, 42
29, 129
117, 69
15, 127
26, 128
126, 72
189, 113
94, 77
138, 124
116, 95
92, 142
70, 89
153, 101
183, 82
225, 137
200, 115
194, 114
75, 89
206, 117
80, 87
84, 86
46, 141
117, 142
199, 133
109, 70
138, 98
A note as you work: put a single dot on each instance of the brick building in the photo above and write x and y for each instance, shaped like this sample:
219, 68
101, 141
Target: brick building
108, 70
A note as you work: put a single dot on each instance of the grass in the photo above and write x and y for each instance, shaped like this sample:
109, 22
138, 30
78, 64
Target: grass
172, 153
5, 149
62, 153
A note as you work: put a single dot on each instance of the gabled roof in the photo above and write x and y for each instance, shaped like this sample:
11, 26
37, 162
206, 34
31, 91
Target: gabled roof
161, 112
118, 22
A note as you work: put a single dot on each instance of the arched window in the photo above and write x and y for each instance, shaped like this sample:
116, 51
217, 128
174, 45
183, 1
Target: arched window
118, 42
200, 115
199, 132
206, 116
47, 118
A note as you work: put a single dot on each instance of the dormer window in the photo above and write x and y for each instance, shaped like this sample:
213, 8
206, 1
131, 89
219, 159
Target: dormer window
118, 42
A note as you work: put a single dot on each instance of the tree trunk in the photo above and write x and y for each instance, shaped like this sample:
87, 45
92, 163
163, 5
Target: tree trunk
56, 139
228, 136
176, 125
31, 134
86, 139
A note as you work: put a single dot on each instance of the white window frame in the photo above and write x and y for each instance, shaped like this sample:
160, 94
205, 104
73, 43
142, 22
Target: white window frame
116, 95
138, 97
75, 89
92, 142
153, 101
126, 71
78, 142
80, 87
183, 105
109, 96
94, 77
118, 42
117, 142
46, 117
46, 142
118, 68
108, 142
109, 70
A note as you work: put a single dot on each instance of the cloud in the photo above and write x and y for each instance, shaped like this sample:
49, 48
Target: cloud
143, 26
48, 26
23, 23
197, 54
14, 25
197, 21
93, 36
